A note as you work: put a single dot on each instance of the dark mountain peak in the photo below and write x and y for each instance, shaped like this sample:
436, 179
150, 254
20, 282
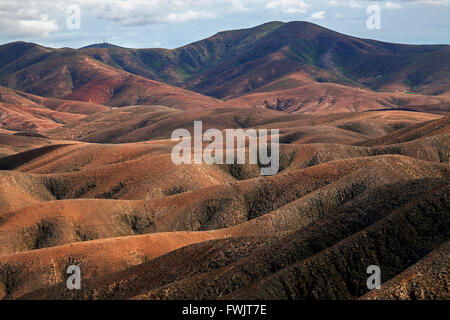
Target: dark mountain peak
271, 24
263, 27
100, 46
236, 62
21, 45
274, 25
303, 24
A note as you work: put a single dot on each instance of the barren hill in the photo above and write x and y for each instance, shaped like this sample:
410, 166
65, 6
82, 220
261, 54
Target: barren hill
87, 179
295, 67
332, 209
73, 75
235, 62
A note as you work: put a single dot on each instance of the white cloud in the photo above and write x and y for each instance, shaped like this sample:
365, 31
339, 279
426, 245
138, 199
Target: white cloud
391, 5
317, 15
384, 4
32, 20
238, 6
288, 6
189, 15
354, 4
434, 2
42, 17
27, 19
42, 28
140, 12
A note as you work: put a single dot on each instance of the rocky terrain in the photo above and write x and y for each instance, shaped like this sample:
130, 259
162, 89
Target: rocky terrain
86, 176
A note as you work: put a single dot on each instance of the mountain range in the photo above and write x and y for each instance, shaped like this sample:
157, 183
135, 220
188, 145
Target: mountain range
86, 176
243, 67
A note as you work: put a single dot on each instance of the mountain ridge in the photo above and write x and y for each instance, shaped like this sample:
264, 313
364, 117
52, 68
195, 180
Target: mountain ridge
237, 62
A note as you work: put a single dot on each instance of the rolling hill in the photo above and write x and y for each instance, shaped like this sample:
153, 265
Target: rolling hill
87, 179
70, 74
294, 67
226, 232
20, 111
236, 62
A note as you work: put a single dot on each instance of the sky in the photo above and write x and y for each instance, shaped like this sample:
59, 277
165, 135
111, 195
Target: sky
174, 23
